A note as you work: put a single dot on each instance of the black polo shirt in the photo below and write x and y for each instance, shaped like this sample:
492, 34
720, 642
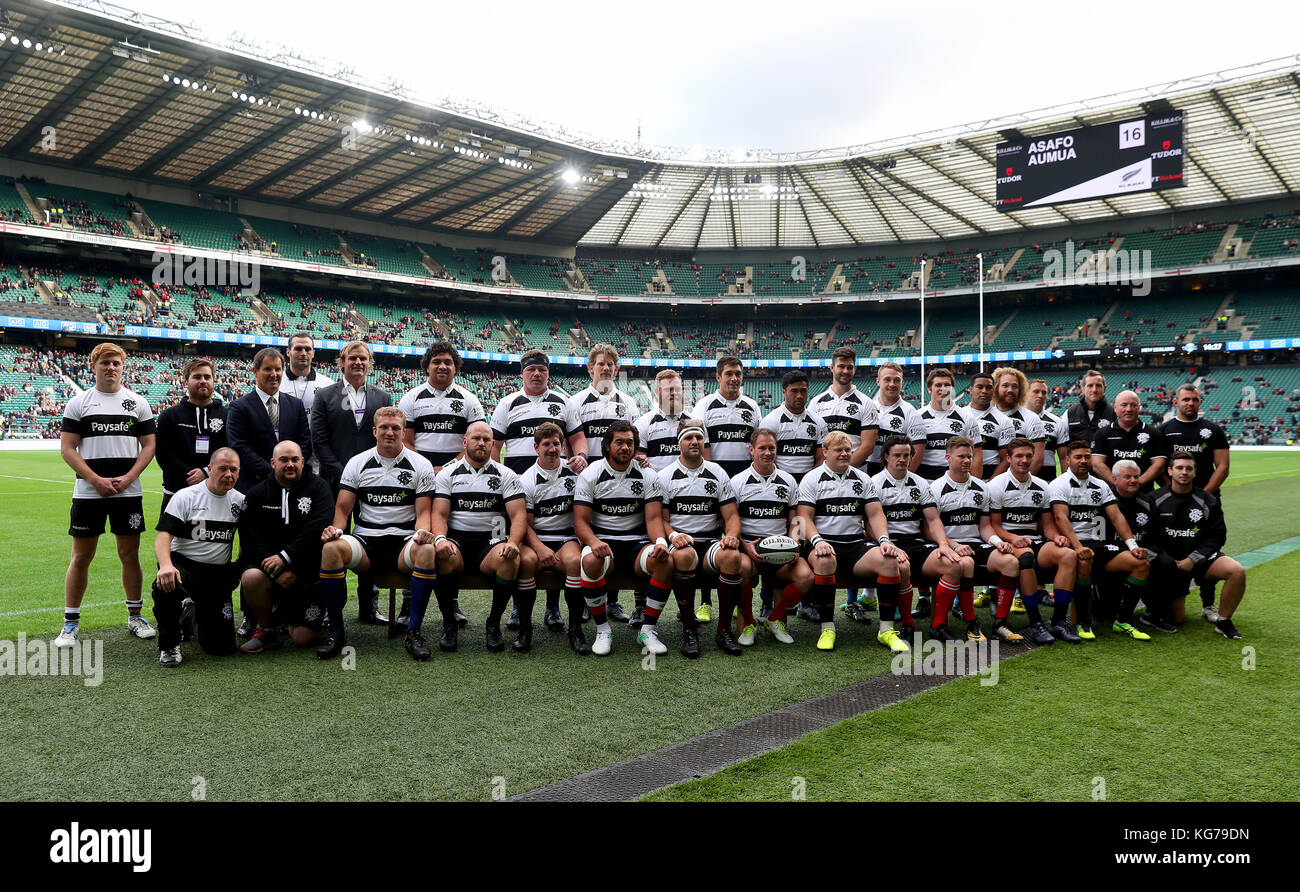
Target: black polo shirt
1143, 444
1199, 438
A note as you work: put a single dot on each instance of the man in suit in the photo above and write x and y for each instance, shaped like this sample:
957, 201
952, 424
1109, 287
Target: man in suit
255, 423
262, 418
343, 414
343, 425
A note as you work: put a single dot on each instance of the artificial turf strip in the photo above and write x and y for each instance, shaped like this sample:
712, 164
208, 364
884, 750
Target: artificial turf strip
284, 726
1176, 718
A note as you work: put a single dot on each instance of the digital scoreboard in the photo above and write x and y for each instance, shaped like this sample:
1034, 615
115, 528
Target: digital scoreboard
1097, 161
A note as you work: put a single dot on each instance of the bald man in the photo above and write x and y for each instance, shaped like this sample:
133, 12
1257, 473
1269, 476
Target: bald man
1132, 438
196, 537
280, 533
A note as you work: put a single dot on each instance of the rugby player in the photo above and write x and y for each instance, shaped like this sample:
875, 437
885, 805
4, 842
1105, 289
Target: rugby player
657, 429
994, 431
840, 516
1056, 430
391, 488
1020, 514
108, 439
910, 513
479, 520
962, 501
549, 486
767, 499
1124, 581
894, 415
618, 517
702, 526
1010, 391
1081, 505
1132, 438
800, 431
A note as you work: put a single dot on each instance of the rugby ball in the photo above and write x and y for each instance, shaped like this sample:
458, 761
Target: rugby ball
777, 550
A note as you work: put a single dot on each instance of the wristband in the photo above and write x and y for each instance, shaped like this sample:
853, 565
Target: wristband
884, 539
995, 540
1131, 542
437, 539
662, 541
816, 540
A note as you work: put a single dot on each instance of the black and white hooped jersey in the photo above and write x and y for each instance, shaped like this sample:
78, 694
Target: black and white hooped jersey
961, 505
549, 497
1021, 504
478, 496
110, 426
617, 499
517, 418
596, 411
799, 436
939, 427
693, 497
902, 419
439, 419
729, 423
203, 523
1086, 500
852, 412
386, 490
1056, 433
904, 501
994, 433
656, 434
765, 503
839, 502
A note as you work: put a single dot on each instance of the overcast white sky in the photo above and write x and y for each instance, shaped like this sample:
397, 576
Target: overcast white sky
802, 75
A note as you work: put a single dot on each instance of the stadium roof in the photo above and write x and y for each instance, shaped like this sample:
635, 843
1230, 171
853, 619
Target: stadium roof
147, 99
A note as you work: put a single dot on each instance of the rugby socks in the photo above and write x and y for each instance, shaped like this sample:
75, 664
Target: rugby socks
656, 598
728, 598
966, 597
1061, 604
502, 590
706, 594
905, 604
553, 596
1031, 603
525, 598
593, 592
823, 597
572, 600
446, 590
1134, 589
851, 597
746, 604
72, 615
944, 594
133, 607
421, 587
334, 591
1083, 601
887, 596
1006, 591
684, 592
791, 597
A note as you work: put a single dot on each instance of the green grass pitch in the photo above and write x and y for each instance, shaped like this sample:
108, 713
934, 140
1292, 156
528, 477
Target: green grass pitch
1174, 719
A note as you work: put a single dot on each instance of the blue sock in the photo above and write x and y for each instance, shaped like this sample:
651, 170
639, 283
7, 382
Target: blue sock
853, 596
421, 587
334, 590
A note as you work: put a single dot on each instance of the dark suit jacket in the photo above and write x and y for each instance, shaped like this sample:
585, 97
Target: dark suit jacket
249, 432
334, 432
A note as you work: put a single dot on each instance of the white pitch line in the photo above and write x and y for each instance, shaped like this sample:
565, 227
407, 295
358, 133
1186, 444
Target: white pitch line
33, 492
37, 479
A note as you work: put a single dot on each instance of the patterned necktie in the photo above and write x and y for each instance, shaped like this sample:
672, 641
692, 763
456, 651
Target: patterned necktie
273, 409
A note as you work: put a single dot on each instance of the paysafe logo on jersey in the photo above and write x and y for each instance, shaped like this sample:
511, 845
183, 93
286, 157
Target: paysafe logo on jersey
1087, 267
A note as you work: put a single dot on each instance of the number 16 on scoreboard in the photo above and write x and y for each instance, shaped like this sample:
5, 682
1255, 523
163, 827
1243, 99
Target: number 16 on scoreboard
1132, 135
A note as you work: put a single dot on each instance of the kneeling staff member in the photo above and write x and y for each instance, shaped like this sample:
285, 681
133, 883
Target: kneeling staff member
196, 536
279, 534
391, 488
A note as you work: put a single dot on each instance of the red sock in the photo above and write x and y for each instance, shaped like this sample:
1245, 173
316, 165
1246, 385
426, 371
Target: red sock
789, 599
905, 606
1006, 591
728, 596
966, 597
746, 604
944, 594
